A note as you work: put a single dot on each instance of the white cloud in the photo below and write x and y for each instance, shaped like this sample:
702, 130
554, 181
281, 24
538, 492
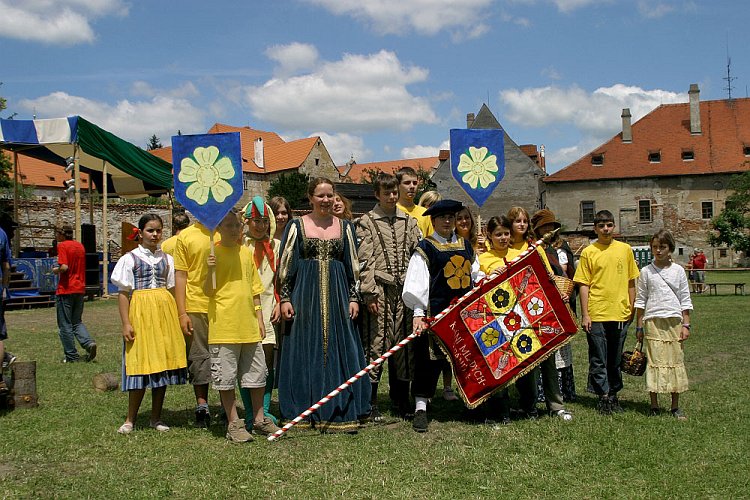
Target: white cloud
356, 94
427, 17
293, 58
63, 22
593, 116
419, 151
595, 112
344, 146
654, 9
134, 121
571, 5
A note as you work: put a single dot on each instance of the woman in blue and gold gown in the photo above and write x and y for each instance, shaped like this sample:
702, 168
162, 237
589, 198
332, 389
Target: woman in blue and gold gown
317, 279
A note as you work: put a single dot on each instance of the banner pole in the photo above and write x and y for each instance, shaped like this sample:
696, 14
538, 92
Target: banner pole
380, 360
364, 371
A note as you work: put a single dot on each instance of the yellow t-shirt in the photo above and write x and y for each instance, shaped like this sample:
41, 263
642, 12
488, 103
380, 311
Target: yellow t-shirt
515, 249
492, 259
231, 312
168, 245
424, 222
190, 254
607, 270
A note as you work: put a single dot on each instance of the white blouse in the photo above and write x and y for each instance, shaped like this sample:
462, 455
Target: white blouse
416, 293
663, 292
122, 275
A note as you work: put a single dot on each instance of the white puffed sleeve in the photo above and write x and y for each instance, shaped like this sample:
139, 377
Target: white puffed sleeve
122, 275
416, 294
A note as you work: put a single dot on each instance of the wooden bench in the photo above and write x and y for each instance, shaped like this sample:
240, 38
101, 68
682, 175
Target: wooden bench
739, 288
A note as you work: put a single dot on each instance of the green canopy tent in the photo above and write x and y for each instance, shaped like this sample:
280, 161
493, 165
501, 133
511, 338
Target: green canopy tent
115, 165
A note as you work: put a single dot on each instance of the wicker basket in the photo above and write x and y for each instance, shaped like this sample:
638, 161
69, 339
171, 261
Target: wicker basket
564, 285
634, 362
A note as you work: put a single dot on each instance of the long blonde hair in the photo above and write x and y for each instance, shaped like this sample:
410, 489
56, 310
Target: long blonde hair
513, 214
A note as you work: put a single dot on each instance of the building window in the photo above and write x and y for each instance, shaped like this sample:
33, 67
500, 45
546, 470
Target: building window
707, 210
688, 155
597, 159
722, 252
644, 210
654, 156
246, 184
680, 251
746, 150
587, 212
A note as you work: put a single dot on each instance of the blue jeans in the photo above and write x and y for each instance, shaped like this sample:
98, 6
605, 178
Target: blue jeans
71, 328
606, 340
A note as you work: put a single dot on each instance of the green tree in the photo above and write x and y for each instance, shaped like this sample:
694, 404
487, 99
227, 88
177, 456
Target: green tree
732, 226
154, 143
293, 187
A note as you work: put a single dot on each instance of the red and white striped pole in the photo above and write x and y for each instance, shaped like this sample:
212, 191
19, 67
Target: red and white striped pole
364, 371
343, 386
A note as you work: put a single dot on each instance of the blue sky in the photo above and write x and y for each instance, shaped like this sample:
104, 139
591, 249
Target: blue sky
376, 79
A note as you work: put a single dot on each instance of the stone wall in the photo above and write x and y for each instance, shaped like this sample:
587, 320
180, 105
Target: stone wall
37, 220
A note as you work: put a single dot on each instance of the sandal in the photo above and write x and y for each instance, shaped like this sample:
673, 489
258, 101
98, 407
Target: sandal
159, 426
125, 428
677, 413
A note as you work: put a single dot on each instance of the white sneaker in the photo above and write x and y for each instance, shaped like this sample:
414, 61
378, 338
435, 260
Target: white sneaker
565, 415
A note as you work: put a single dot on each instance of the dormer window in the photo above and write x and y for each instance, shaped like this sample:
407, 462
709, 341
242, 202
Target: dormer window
688, 155
597, 159
654, 156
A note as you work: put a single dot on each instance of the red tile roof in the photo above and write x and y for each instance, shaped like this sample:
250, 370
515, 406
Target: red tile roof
278, 155
42, 174
720, 148
358, 169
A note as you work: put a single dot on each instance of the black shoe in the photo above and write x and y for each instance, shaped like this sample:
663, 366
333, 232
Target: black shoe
376, 416
654, 412
603, 406
614, 405
202, 417
91, 352
8, 359
420, 422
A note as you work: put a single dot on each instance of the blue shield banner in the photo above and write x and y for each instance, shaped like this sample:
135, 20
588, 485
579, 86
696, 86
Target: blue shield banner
207, 174
477, 161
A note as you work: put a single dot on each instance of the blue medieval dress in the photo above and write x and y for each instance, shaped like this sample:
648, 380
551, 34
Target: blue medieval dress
322, 350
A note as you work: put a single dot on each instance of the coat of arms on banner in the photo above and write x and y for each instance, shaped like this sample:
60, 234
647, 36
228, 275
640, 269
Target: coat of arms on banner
207, 174
477, 161
503, 328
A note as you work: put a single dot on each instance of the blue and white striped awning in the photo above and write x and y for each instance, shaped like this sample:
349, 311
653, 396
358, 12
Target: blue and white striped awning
45, 131
130, 170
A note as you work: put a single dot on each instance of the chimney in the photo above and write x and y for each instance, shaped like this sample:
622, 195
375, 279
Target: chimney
469, 120
627, 130
542, 159
695, 109
259, 157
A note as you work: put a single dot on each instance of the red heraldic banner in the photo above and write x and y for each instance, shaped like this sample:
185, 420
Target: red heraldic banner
503, 328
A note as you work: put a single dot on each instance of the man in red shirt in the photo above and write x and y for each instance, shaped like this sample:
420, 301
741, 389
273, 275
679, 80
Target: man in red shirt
71, 287
699, 275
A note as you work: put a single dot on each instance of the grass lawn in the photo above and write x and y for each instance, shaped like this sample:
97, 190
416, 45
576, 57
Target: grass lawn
68, 446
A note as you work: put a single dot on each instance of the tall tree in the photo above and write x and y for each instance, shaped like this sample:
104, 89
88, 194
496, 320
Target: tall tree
154, 143
732, 225
293, 187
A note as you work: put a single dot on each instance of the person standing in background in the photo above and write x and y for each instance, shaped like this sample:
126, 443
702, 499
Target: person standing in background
71, 288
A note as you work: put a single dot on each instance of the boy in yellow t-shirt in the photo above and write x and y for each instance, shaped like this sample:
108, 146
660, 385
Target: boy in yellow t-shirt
408, 182
606, 273
234, 341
